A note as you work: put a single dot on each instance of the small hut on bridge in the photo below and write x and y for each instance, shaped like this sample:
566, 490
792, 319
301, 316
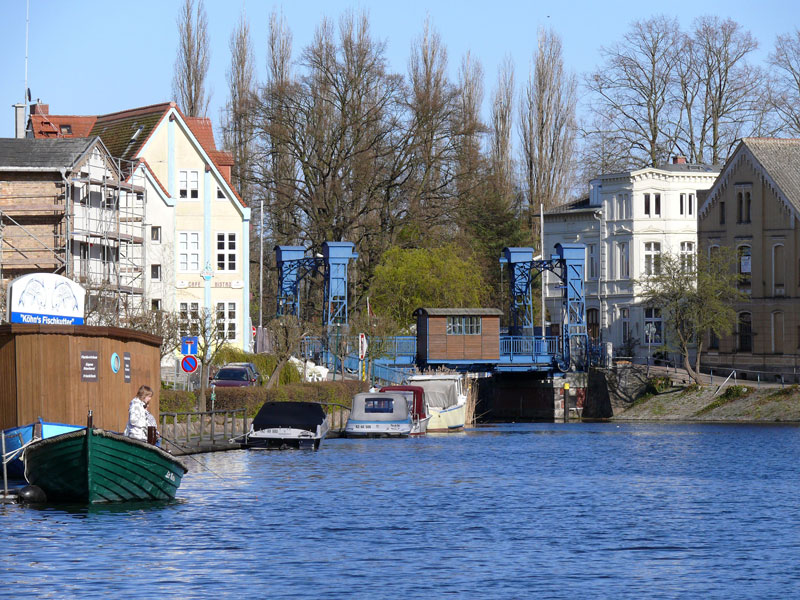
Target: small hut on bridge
457, 336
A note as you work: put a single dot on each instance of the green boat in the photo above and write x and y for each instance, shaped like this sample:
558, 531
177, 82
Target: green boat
95, 466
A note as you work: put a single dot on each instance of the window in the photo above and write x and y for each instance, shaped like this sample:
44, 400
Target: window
463, 325
647, 204
691, 203
623, 260
591, 250
188, 318
778, 270
625, 319
652, 258
744, 330
652, 326
110, 258
681, 203
744, 267
622, 207
777, 332
722, 212
379, 405
155, 272
66, 129
83, 250
155, 304
226, 321
593, 323
657, 203
687, 256
713, 341
226, 252
743, 206
155, 233
220, 194
189, 251
188, 184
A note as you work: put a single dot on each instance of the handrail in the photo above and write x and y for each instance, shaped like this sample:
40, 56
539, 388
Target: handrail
196, 421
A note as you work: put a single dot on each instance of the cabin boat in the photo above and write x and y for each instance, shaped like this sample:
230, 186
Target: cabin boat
283, 425
379, 414
415, 396
97, 466
445, 400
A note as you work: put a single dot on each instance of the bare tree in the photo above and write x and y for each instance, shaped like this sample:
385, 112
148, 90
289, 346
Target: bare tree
191, 64
726, 86
547, 126
161, 323
468, 126
785, 99
210, 340
634, 89
238, 123
285, 334
603, 149
502, 111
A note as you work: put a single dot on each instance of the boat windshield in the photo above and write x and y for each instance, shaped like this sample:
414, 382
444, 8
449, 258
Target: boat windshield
379, 405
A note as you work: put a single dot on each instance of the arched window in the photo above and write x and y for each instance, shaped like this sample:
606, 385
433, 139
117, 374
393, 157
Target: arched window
778, 270
739, 207
744, 268
777, 332
744, 332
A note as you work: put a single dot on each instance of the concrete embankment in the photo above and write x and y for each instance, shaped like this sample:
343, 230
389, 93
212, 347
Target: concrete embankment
631, 395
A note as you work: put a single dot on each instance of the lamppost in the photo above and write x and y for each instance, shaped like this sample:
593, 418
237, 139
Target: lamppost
649, 331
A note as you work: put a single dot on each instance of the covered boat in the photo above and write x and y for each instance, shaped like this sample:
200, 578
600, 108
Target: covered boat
415, 397
95, 466
379, 414
280, 425
445, 400
16, 438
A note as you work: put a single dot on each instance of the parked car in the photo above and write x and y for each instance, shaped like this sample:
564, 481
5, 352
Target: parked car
229, 376
248, 365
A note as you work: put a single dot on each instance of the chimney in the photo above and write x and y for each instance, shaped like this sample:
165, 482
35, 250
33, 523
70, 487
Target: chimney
678, 160
19, 121
39, 108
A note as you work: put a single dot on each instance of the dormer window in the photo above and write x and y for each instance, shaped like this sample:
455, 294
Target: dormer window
66, 129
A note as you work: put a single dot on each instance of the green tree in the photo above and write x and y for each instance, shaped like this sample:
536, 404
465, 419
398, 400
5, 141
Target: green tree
696, 294
407, 279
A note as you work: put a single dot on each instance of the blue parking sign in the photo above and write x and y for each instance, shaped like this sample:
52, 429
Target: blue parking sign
189, 345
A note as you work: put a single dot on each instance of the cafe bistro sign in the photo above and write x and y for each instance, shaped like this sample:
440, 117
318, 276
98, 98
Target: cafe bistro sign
45, 299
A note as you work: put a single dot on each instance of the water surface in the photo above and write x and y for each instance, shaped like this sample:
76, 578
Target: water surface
503, 511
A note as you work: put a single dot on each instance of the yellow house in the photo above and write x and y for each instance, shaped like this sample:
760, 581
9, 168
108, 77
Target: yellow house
197, 228
753, 208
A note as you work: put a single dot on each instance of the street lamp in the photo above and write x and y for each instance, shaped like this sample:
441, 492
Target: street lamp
649, 331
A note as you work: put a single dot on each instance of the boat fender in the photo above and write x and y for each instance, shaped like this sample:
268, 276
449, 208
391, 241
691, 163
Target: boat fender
31, 494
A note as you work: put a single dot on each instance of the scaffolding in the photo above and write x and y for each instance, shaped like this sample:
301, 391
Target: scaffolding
91, 230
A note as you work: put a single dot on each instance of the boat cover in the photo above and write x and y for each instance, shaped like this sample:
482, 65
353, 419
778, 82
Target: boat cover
439, 393
380, 406
299, 415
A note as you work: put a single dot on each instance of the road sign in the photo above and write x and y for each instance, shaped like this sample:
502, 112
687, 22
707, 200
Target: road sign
362, 346
189, 344
189, 364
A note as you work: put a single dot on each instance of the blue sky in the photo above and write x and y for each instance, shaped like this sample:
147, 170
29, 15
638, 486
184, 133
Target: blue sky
100, 56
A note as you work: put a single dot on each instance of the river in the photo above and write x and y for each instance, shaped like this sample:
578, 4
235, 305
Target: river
503, 511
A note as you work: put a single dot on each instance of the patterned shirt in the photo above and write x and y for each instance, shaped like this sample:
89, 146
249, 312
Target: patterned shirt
138, 420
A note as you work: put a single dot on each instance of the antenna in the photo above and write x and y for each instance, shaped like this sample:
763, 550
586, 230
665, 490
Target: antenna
27, 92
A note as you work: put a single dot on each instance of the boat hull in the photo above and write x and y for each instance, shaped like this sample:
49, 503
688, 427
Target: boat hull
97, 466
280, 438
16, 437
447, 419
362, 428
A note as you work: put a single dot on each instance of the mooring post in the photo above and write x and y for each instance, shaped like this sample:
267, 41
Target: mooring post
5, 473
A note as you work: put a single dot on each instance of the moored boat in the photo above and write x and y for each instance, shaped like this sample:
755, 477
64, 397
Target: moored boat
415, 397
94, 466
379, 414
445, 400
18, 437
280, 425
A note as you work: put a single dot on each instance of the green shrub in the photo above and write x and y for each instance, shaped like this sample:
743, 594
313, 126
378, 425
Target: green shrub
736, 391
658, 385
176, 401
265, 363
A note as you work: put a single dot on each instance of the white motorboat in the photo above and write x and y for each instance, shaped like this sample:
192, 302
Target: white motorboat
281, 425
379, 414
445, 400
415, 397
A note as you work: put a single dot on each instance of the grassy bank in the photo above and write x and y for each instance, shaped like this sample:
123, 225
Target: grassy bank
705, 403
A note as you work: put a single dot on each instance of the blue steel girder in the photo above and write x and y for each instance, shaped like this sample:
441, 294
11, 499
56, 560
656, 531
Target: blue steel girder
337, 256
293, 267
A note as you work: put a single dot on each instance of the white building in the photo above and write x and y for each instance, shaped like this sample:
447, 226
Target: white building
197, 228
628, 220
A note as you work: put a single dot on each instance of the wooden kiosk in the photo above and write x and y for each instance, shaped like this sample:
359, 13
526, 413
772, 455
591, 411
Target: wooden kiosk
61, 372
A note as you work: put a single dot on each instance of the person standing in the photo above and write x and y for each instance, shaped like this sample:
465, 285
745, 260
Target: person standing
139, 418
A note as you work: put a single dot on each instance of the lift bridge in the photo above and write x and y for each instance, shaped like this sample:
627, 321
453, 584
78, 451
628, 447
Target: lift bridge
524, 348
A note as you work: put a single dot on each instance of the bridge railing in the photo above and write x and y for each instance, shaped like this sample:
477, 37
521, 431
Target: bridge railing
528, 345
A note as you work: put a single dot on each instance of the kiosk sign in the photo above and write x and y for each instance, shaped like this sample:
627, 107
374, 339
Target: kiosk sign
45, 299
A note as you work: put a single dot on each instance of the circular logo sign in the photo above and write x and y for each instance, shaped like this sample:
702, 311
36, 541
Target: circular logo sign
189, 364
115, 362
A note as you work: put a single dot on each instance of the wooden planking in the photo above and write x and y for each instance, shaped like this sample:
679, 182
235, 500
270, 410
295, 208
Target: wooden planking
472, 347
455, 347
46, 365
490, 338
437, 338
8, 383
